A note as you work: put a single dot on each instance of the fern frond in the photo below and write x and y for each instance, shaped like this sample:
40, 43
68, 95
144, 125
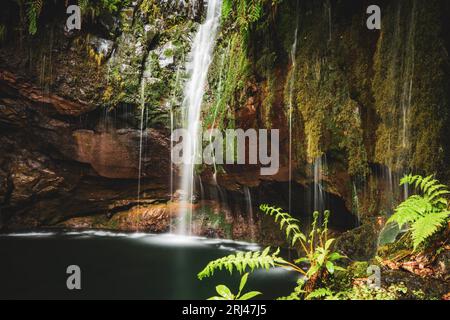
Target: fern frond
410, 210
428, 186
297, 293
426, 213
425, 227
319, 293
242, 261
39, 4
425, 182
436, 196
285, 220
32, 17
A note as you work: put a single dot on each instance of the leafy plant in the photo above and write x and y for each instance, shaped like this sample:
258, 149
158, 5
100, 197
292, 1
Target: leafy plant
426, 213
95, 7
316, 249
246, 13
364, 292
34, 8
243, 261
225, 293
88, 7
357, 292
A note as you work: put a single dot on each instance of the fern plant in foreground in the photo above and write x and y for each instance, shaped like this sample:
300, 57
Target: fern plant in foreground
315, 248
426, 213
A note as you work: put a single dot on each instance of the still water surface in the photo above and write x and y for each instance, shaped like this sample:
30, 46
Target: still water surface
123, 266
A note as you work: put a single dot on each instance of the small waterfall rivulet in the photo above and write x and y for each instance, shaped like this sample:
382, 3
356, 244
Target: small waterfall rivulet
220, 87
198, 65
141, 140
355, 202
249, 208
319, 200
407, 88
330, 30
402, 68
291, 103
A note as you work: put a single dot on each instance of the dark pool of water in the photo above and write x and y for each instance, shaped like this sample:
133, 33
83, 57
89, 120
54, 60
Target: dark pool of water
121, 266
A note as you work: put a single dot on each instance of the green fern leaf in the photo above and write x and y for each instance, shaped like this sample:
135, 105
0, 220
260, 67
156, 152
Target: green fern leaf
319, 293
285, 220
435, 196
426, 226
424, 183
241, 262
409, 211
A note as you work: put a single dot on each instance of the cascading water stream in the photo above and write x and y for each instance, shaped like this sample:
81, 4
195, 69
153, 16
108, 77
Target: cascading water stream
199, 61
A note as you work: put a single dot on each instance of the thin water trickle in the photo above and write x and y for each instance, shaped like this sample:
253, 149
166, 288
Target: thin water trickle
218, 101
330, 32
291, 105
141, 138
407, 72
249, 205
356, 202
198, 65
319, 196
408, 79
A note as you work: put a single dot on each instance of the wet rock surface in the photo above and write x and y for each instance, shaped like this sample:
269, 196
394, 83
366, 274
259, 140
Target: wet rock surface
70, 113
49, 163
361, 243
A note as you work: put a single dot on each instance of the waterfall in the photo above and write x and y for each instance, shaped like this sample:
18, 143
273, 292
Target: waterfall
291, 105
172, 127
198, 64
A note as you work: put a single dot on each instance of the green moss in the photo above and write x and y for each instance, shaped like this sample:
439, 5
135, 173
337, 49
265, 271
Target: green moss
209, 219
228, 76
137, 57
328, 90
409, 74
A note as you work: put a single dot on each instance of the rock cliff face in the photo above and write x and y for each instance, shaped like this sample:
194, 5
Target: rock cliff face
70, 134
370, 105
360, 102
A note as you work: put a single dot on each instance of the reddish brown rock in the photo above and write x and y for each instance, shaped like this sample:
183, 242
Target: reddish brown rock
116, 154
29, 92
